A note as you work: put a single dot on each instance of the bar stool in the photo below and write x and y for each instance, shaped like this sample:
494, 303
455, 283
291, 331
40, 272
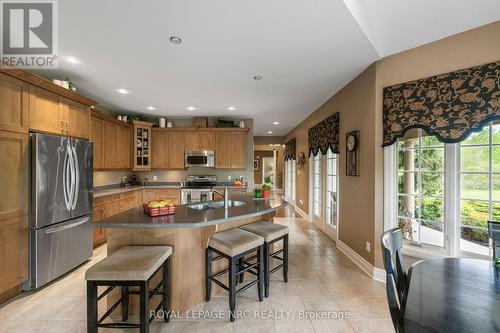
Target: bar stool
233, 245
130, 266
272, 233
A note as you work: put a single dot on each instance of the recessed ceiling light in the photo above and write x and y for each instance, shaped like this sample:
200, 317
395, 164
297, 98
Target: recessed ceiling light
175, 40
276, 123
257, 77
72, 60
123, 91
191, 108
151, 108
270, 132
231, 108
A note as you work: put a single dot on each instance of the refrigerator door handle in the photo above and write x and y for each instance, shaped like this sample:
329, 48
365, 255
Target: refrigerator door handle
76, 187
65, 179
67, 226
72, 176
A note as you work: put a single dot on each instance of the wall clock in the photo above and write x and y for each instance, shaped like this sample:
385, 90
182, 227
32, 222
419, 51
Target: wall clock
352, 153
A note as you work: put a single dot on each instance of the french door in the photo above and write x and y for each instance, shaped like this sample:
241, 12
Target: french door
324, 189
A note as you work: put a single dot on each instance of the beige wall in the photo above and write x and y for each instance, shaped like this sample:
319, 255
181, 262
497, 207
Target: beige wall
355, 102
360, 107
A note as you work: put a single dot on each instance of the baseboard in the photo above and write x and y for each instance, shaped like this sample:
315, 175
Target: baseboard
379, 274
373, 272
302, 213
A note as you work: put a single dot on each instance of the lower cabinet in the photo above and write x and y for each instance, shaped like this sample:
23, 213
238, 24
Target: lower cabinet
14, 253
169, 194
98, 213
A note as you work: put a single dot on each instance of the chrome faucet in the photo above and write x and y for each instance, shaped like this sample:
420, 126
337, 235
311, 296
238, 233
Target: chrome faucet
225, 195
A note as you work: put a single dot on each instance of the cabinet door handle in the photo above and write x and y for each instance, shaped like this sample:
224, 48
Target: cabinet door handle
62, 126
67, 127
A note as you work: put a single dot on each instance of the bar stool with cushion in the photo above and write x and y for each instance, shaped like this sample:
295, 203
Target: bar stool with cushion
233, 245
130, 266
272, 233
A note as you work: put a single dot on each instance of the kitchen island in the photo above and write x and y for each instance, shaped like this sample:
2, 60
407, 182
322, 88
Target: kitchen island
188, 231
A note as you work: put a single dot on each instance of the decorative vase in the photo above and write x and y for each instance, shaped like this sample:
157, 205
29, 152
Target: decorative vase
266, 193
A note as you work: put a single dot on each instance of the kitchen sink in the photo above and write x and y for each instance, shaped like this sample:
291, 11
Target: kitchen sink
216, 204
201, 207
230, 203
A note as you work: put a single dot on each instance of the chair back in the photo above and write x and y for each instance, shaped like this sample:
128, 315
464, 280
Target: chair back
397, 281
494, 234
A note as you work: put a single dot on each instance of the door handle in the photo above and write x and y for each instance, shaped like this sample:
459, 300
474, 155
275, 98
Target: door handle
67, 128
65, 179
76, 187
67, 226
62, 126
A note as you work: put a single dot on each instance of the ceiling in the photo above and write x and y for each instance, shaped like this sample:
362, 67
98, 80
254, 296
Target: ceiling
304, 50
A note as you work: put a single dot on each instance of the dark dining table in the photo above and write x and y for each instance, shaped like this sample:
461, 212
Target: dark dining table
453, 295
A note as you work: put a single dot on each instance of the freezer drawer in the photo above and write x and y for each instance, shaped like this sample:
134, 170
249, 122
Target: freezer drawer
59, 248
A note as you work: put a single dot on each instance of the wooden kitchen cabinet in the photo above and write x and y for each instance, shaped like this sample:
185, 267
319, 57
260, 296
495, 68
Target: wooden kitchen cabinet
76, 119
159, 150
13, 212
176, 150
168, 194
231, 150
142, 145
191, 141
238, 150
14, 104
46, 111
53, 114
98, 213
96, 137
207, 141
109, 145
123, 147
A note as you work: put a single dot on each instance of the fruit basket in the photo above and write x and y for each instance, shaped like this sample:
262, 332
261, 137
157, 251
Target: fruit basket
159, 208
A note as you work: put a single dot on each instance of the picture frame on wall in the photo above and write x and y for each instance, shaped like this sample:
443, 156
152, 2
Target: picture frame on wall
255, 165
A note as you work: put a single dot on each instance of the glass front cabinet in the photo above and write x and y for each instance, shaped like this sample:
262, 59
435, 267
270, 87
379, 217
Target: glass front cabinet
142, 145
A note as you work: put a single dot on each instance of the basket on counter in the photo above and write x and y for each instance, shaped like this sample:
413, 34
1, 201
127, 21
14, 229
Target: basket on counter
158, 211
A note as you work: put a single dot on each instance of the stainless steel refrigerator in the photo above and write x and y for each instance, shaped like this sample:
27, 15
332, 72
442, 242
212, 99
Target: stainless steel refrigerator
60, 207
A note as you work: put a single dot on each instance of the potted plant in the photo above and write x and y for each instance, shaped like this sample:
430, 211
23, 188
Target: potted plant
266, 187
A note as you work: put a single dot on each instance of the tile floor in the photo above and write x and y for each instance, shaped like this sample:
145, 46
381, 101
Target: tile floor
321, 278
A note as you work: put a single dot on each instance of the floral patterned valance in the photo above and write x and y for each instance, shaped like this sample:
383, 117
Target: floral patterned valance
291, 150
324, 136
449, 106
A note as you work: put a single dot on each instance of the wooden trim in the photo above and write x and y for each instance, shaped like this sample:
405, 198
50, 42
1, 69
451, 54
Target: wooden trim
109, 118
43, 83
201, 129
10, 294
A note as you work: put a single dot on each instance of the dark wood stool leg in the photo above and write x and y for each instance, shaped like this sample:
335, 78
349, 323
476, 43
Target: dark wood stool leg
260, 271
125, 302
266, 269
208, 273
91, 307
144, 307
165, 290
285, 258
232, 288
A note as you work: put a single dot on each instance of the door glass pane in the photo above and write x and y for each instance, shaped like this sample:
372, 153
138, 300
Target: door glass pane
474, 159
474, 186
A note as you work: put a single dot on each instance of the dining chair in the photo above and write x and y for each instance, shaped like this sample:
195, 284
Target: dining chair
494, 235
397, 280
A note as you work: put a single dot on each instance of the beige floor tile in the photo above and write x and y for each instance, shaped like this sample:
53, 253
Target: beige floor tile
287, 307
260, 326
176, 326
371, 326
311, 288
320, 303
294, 326
332, 326
215, 327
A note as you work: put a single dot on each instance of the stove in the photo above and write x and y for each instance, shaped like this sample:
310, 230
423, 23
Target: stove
198, 188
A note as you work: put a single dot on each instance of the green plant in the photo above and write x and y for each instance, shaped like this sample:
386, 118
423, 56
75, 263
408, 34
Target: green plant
268, 181
266, 186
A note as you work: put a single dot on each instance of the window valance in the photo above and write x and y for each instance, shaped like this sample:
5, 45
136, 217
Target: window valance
291, 150
449, 106
325, 135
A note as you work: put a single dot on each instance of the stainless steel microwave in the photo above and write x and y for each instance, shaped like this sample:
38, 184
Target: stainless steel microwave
204, 158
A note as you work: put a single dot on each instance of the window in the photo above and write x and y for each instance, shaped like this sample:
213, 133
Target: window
444, 194
290, 181
324, 187
331, 188
317, 181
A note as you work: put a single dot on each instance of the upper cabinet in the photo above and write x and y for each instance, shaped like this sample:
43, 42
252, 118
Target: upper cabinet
14, 104
231, 150
207, 141
191, 141
142, 145
52, 113
159, 150
111, 143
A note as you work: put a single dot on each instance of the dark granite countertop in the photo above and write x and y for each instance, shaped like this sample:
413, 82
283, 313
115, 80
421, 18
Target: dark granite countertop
186, 217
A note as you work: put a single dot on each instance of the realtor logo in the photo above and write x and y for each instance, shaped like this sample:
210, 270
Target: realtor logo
29, 34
